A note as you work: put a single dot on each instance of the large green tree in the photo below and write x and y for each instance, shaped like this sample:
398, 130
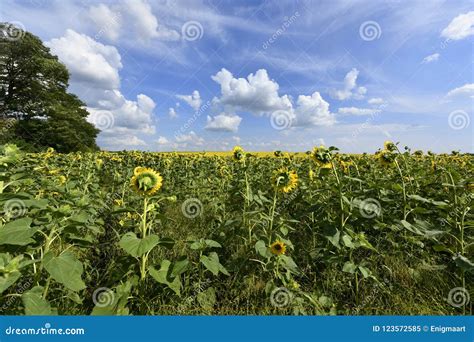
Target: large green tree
33, 90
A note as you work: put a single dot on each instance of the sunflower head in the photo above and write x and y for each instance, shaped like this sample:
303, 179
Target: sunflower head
278, 247
389, 146
386, 158
285, 180
146, 181
321, 155
238, 153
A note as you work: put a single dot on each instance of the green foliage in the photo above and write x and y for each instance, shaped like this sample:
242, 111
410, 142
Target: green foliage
359, 237
36, 111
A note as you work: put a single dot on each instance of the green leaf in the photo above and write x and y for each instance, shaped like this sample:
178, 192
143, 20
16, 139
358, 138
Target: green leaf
262, 249
212, 243
332, 234
163, 276
9, 270
349, 267
109, 302
34, 302
289, 264
65, 269
82, 217
180, 266
365, 271
207, 299
347, 240
212, 263
464, 263
137, 247
17, 232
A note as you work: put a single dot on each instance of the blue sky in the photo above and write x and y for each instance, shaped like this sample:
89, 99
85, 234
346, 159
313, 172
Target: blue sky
267, 75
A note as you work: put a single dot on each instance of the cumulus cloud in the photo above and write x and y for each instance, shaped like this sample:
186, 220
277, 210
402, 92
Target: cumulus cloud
191, 138
350, 89
467, 89
376, 101
460, 27
223, 122
193, 100
358, 111
431, 58
87, 60
94, 69
162, 141
122, 142
312, 111
109, 21
258, 94
172, 113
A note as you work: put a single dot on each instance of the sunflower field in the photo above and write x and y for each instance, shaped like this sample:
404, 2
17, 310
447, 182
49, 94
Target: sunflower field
241, 233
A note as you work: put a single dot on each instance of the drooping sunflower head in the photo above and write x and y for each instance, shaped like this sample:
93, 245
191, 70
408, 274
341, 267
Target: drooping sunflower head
285, 180
321, 155
238, 153
146, 181
389, 146
278, 247
386, 158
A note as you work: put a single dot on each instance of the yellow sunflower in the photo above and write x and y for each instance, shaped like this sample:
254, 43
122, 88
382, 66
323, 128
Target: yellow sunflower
238, 153
322, 156
146, 181
386, 158
285, 180
278, 248
389, 146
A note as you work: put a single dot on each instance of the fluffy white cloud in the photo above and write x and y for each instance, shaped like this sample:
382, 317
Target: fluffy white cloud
94, 69
110, 21
376, 101
350, 89
460, 27
191, 138
467, 89
107, 21
122, 142
223, 122
312, 111
162, 141
172, 113
431, 58
256, 94
193, 100
87, 60
358, 111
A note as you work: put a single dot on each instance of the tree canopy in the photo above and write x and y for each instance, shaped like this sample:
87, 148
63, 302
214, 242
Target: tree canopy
33, 92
